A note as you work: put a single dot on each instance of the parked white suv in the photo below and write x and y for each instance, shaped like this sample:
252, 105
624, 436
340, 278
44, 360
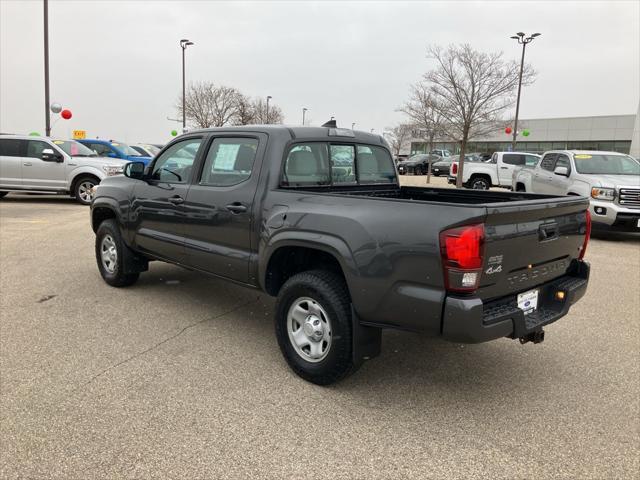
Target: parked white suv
44, 165
497, 172
611, 180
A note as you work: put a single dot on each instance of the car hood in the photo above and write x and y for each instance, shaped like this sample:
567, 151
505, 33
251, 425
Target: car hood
612, 181
98, 161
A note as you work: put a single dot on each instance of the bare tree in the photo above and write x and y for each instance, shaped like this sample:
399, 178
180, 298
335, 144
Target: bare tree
208, 105
398, 136
471, 90
260, 108
424, 114
245, 112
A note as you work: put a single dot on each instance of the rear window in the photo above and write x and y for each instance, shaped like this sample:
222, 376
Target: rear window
323, 164
513, 159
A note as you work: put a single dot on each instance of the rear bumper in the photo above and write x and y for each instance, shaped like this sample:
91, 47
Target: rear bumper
470, 320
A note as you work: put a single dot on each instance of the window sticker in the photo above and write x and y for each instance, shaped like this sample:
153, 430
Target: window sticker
582, 156
58, 142
226, 156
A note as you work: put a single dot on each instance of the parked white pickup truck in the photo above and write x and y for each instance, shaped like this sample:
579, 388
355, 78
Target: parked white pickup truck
611, 180
44, 165
497, 172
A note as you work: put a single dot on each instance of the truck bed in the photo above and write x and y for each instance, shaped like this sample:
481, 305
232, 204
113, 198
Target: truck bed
439, 195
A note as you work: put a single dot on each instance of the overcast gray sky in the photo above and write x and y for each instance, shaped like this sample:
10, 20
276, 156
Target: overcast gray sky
116, 64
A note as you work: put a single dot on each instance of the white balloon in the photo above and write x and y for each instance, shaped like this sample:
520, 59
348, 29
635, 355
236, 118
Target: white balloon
56, 107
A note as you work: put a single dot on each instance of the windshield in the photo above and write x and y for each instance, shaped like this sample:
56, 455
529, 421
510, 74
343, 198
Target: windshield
126, 149
601, 164
74, 149
152, 149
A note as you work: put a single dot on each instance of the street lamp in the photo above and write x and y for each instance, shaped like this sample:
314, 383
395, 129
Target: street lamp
353, 125
47, 117
304, 111
522, 39
269, 97
184, 43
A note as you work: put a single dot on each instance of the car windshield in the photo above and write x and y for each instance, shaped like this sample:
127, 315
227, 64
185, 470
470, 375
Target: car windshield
603, 164
126, 149
74, 149
152, 149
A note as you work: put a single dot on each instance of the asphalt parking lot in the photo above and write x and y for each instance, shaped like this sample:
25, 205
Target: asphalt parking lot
180, 376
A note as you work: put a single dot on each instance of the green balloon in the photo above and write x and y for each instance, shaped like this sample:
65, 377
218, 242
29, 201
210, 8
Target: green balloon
174, 133
525, 133
34, 134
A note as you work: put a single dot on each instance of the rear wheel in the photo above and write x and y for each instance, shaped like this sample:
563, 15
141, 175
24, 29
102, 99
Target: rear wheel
313, 326
480, 183
83, 189
2, 194
111, 257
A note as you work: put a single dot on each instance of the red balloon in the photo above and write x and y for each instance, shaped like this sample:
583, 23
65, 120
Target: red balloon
66, 114
508, 130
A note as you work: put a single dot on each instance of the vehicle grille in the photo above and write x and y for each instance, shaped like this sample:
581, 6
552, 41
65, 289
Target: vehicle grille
629, 197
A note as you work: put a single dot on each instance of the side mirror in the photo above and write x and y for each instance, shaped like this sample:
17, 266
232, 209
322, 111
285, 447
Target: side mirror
562, 171
49, 155
134, 170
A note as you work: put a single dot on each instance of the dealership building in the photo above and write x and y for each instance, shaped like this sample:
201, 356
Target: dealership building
609, 132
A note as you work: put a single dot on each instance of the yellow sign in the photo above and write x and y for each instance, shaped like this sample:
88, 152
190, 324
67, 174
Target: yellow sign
582, 156
79, 134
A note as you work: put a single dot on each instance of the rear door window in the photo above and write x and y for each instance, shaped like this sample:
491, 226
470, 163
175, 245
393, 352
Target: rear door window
11, 147
513, 159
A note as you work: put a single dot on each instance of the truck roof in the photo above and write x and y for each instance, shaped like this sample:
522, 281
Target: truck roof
585, 152
304, 133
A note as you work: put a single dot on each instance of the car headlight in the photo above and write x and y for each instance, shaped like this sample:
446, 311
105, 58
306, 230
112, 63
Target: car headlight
111, 170
603, 193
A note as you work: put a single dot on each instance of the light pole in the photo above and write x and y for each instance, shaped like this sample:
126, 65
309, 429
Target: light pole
304, 111
353, 125
46, 70
522, 40
269, 97
184, 43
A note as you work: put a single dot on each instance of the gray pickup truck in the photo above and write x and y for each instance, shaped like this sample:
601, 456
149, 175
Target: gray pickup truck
317, 218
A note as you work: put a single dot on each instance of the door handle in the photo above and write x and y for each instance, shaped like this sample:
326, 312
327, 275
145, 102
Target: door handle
177, 200
27, 164
504, 168
237, 207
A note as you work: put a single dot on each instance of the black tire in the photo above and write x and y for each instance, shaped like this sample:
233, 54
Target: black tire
79, 187
417, 170
521, 188
116, 277
479, 183
2, 194
329, 291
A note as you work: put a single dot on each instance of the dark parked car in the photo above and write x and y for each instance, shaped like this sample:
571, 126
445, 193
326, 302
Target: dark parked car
417, 164
265, 207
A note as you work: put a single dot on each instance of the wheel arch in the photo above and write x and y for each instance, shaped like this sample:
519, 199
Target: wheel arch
306, 251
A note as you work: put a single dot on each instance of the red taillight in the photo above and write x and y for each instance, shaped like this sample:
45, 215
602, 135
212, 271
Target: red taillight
587, 235
462, 255
454, 169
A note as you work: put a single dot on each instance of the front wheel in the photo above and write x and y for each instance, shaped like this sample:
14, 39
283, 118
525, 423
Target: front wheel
417, 171
83, 190
111, 257
480, 183
313, 326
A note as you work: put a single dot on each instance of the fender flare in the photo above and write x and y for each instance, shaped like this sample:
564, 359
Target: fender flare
330, 244
84, 170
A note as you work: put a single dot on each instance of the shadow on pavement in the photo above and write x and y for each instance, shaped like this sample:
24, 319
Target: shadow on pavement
38, 198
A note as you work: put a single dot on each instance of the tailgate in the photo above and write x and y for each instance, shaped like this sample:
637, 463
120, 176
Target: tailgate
530, 242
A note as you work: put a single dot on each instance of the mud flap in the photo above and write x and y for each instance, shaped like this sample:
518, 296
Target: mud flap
367, 341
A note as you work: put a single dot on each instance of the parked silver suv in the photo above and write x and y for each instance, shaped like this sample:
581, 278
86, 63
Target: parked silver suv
611, 180
45, 165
